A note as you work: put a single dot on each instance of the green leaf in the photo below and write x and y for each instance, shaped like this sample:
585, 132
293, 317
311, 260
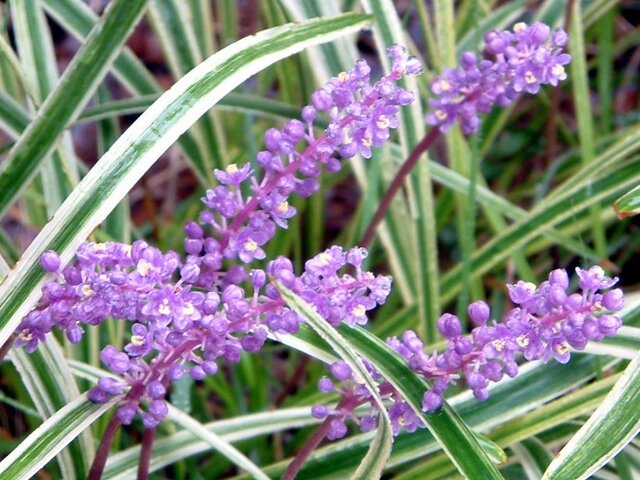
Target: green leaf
533, 455
143, 143
612, 426
79, 19
74, 89
185, 443
171, 21
628, 204
51, 386
51, 437
215, 442
544, 216
35, 46
376, 458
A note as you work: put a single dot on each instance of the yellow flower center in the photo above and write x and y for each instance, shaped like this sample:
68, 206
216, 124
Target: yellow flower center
164, 308
324, 259
343, 76
557, 70
231, 169
359, 311
519, 27
283, 207
498, 344
137, 340
87, 291
562, 348
250, 245
25, 336
144, 267
522, 340
530, 78
440, 114
188, 309
383, 122
445, 86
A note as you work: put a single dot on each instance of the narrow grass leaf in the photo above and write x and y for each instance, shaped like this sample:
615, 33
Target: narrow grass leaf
542, 217
388, 30
51, 386
612, 426
217, 443
51, 437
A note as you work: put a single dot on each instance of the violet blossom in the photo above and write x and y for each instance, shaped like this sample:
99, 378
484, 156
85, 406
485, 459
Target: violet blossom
547, 323
190, 314
519, 61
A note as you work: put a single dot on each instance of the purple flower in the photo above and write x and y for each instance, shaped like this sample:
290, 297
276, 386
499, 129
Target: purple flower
547, 323
522, 61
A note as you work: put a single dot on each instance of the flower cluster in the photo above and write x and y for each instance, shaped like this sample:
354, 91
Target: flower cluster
361, 116
522, 61
546, 323
189, 314
178, 329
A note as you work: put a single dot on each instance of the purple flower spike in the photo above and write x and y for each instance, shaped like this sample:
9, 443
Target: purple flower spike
521, 61
546, 323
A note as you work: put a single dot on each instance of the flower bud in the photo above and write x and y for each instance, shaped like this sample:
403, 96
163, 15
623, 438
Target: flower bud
613, 300
449, 326
50, 261
479, 313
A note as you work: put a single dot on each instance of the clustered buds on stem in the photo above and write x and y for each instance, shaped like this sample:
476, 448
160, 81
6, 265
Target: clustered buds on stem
520, 61
546, 323
188, 314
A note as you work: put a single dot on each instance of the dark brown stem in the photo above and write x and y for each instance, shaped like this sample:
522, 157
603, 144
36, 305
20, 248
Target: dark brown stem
4, 349
145, 453
315, 439
293, 381
397, 183
99, 461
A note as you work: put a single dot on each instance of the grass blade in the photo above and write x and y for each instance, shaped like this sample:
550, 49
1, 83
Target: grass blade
611, 427
51, 437
388, 30
61, 107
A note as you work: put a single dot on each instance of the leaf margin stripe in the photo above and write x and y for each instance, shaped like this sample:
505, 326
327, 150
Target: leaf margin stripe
616, 420
46, 441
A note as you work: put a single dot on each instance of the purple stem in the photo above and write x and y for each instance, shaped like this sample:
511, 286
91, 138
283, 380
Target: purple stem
397, 183
294, 467
99, 461
145, 453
